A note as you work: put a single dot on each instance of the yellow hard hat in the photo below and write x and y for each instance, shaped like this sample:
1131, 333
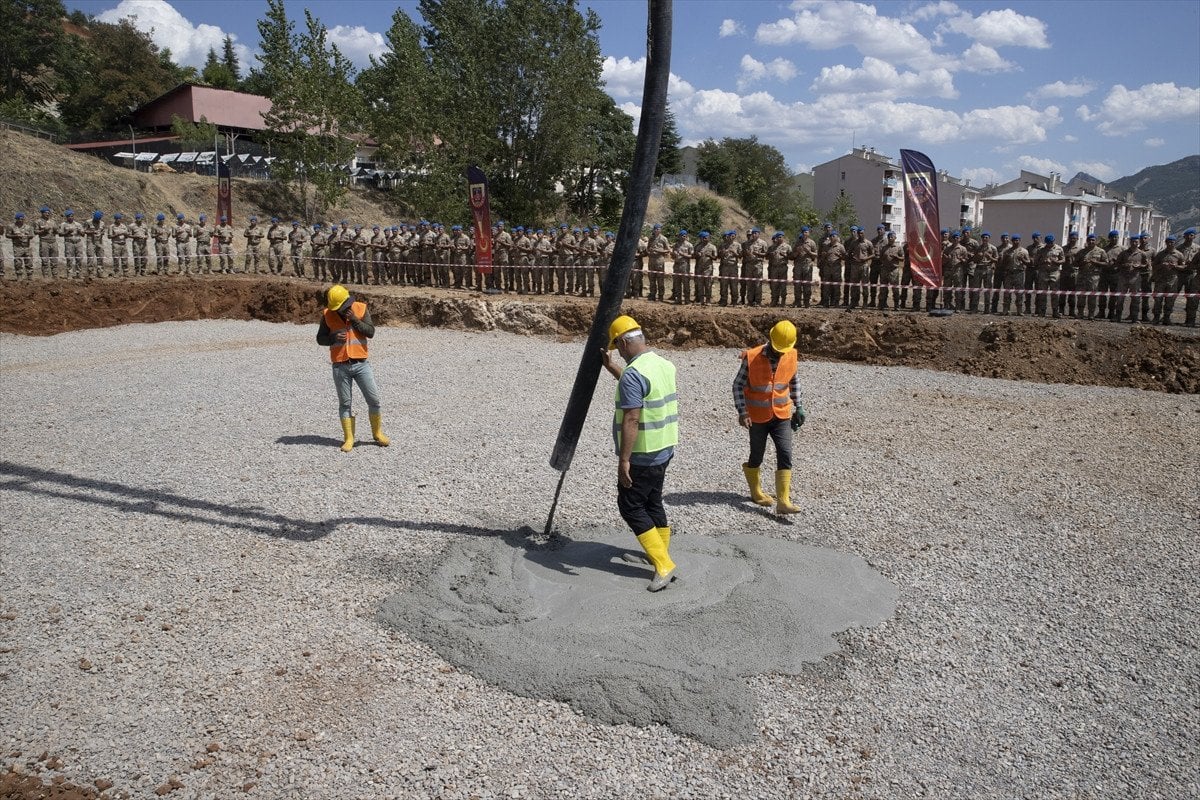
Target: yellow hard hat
783, 336
336, 295
621, 326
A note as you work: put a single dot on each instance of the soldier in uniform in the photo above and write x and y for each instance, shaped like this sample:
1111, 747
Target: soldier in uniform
955, 258
584, 258
73, 241
705, 255
297, 238
832, 263
779, 253
47, 233
359, 243
276, 236
637, 276
376, 248
1065, 300
730, 255
860, 255
1035, 245
1048, 261
522, 256
891, 257
320, 252
161, 235
877, 243
225, 247
998, 272
461, 249
658, 250
118, 234
804, 256
253, 236
681, 268
606, 254
428, 267
93, 231
21, 235
754, 253
983, 268
1130, 263
183, 237
442, 247
1088, 265
139, 241
1110, 276
1013, 266
1169, 265
1147, 275
203, 236
1190, 251
502, 257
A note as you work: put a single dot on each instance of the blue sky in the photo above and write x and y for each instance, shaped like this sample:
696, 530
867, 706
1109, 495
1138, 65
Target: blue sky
985, 89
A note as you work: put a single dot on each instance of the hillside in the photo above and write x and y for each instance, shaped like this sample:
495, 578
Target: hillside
1174, 189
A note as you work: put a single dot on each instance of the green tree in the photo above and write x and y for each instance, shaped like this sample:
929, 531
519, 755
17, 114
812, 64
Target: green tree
194, 136
797, 211
36, 63
595, 189
229, 59
842, 215
276, 43
216, 74
754, 174
670, 161
315, 108
123, 70
692, 211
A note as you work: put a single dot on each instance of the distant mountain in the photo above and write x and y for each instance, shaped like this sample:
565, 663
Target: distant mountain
1174, 189
1083, 177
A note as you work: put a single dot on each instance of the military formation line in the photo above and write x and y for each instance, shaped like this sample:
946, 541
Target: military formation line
1116, 279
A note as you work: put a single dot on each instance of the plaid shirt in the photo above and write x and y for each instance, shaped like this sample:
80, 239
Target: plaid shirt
739, 383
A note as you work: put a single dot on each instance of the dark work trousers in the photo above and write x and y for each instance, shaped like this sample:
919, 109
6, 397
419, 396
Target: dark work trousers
641, 505
780, 431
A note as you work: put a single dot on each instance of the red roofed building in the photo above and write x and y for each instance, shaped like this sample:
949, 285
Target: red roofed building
230, 111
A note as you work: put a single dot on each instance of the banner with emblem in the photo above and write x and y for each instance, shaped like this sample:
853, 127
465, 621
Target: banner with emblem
481, 210
224, 194
921, 224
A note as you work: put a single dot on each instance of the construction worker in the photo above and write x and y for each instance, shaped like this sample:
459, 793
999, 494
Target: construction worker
345, 328
645, 432
766, 394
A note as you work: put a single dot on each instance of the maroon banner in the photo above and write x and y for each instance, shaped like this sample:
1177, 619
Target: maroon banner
482, 211
922, 233
224, 192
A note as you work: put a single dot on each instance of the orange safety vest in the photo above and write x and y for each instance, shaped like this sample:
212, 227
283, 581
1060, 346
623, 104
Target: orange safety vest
355, 345
767, 395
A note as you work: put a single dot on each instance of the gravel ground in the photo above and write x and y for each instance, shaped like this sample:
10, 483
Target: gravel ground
191, 573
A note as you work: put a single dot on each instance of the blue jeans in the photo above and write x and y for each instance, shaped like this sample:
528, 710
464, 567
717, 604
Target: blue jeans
345, 374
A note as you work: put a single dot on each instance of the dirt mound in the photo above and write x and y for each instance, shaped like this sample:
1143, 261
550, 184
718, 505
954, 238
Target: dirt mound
1100, 354
37, 172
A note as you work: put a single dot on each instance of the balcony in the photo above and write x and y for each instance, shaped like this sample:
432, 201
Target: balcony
888, 200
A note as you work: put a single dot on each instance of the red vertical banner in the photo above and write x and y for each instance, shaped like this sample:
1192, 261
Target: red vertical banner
922, 231
481, 210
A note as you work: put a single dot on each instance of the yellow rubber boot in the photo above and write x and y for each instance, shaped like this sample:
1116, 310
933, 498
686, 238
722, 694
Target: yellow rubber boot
665, 535
347, 434
783, 488
377, 430
664, 567
756, 492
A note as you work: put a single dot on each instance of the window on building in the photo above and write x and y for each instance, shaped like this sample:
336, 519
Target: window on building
843, 176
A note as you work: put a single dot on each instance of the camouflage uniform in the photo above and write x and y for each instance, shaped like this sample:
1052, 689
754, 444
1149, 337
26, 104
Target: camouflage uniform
1034, 246
461, 248
139, 237
297, 238
253, 236
359, 244
681, 269
21, 235
73, 246
162, 256
276, 236
182, 234
657, 250
1014, 264
955, 258
1048, 261
877, 244
983, 269
705, 254
804, 254
891, 260
860, 254
225, 248
1110, 277
832, 263
1088, 265
93, 230
502, 259
1190, 281
637, 276
1169, 267
779, 254
1068, 278
730, 254
203, 236
754, 253
47, 233
118, 233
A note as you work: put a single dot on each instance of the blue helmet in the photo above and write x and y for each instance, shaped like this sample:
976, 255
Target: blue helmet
203, 217
1114, 233
118, 215
44, 209
137, 216
97, 214
68, 213
19, 215
1049, 238
179, 216
161, 216
804, 229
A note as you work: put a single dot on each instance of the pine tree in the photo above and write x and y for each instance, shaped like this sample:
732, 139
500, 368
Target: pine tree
670, 161
230, 60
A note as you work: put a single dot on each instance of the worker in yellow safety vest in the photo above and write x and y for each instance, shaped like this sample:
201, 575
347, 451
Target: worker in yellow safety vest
645, 431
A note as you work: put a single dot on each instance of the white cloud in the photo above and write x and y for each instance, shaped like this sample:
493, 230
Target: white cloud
755, 70
1042, 166
1125, 111
1097, 169
876, 76
982, 58
999, 28
189, 44
625, 78
1155, 141
357, 43
1069, 139
731, 27
932, 10
1059, 89
1012, 124
982, 176
828, 25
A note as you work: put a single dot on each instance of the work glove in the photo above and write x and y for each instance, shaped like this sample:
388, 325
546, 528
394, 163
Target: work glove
798, 417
